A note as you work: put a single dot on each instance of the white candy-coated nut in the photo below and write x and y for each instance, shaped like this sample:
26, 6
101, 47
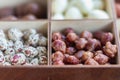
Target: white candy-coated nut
9, 51
98, 14
42, 41
42, 51
10, 44
7, 58
42, 60
58, 16
2, 58
73, 13
30, 51
6, 64
99, 4
3, 43
18, 59
33, 39
18, 46
15, 34
27, 33
2, 34
85, 6
59, 6
34, 61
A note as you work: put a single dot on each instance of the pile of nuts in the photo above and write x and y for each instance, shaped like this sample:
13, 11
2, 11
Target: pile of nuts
87, 48
22, 48
29, 11
79, 9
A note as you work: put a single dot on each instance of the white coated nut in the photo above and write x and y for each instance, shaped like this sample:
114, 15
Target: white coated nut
15, 34
98, 14
34, 61
18, 59
6, 64
9, 51
85, 6
42, 41
10, 44
33, 39
42, 51
18, 46
59, 6
42, 60
2, 34
7, 58
3, 43
73, 13
58, 16
2, 58
30, 51
99, 4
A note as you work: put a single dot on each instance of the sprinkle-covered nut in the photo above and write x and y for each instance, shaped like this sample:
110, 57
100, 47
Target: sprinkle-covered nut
42, 41
42, 60
27, 33
3, 44
15, 34
2, 34
2, 58
91, 61
30, 51
18, 46
18, 59
33, 39
42, 51
9, 51
6, 64
57, 56
34, 61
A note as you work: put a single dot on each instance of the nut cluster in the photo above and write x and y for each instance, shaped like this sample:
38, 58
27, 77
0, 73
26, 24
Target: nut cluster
29, 11
22, 48
87, 48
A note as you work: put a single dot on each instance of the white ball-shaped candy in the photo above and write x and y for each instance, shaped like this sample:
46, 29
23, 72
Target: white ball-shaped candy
58, 6
85, 6
58, 16
99, 4
35, 61
73, 13
98, 14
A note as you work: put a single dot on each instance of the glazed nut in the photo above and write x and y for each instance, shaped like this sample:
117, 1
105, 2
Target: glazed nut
93, 44
70, 50
68, 30
86, 55
71, 37
98, 34
56, 36
79, 54
81, 43
86, 35
91, 61
59, 45
58, 63
72, 60
101, 58
57, 56
110, 50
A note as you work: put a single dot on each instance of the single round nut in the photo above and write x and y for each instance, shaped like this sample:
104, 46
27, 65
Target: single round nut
43, 60
57, 56
86, 55
72, 37
68, 30
58, 63
81, 43
72, 60
9, 51
42, 51
93, 44
100, 57
18, 46
91, 62
79, 54
98, 35
34, 61
42, 41
33, 39
29, 17
3, 43
86, 35
70, 50
110, 50
56, 36
59, 45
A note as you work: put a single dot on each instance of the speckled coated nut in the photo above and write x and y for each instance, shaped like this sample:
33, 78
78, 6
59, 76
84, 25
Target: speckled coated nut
42, 41
3, 43
43, 60
100, 57
70, 50
86, 35
10, 44
2, 34
18, 46
33, 39
68, 30
91, 62
59, 45
79, 54
42, 51
86, 55
81, 43
93, 44
2, 58
9, 51
11, 18
72, 37
58, 63
110, 50
57, 56
56, 36
29, 17
72, 60
34, 61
